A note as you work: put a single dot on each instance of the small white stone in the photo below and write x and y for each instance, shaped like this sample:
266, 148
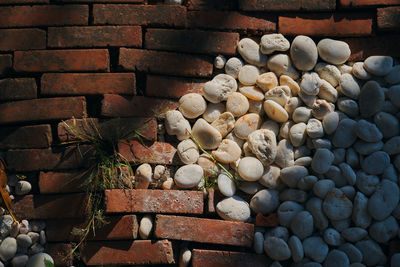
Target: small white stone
143, 176
228, 151
310, 83
280, 94
273, 42
250, 169
185, 257
248, 75
298, 134
275, 111
237, 104
281, 64
333, 51
252, 92
176, 124
263, 144
247, 124
303, 53
233, 66
206, 135
146, 226
192, 105
329, 73
226, 185
219, 88
250, 52
359, 71
224, 123
8, 248
379, 65
188, 152
233, 209
22, 188
267, 81
188, 176
328, 92
315, 129
301, 114
219, 62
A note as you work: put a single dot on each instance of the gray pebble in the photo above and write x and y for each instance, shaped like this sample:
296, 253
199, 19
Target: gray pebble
42, 240
315, 248
322, 160
332, 237
336, 258
250, 52
259, 243
396, 162
387, 124
36, 248
314, 206
6, 222
339, 155
233, 66
303, 161
276, 248
348, 106
284, 154
301, 151
349, 86
303, 53
365, 148
322, 143
19, 261
336, 176
376, 163
379, 65
302, 224
385, 230
384, 200
333, 51
279, 232
291, 175
293, 195
389, 107
265, 201
330, 122
354, 234
273, 42
352, 252
372, 252
307, 183
360, 216
348, 173
393, 77
37, 225
250, 187
371, 99
34, 236
366, 183
392, 146
276, 264
345, 134
349, 191
296, 248
8, 248
315, 128
352, 157
322, 187
390, 173
368, 131
395, 260
286, 211
396, 212
341, 225
24, 241
336, 205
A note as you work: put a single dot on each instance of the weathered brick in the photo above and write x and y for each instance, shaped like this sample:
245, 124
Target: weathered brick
60, 252
61, 60
215, 258
22, 39
117, 228
17, 89
192, 41
229, 20
167, 63
154, 201
127, 252
277, 5
389, 18
356, 3
95, 36
361, 48
104, 1
267, 221
50, 207
5, 63
25, 160
137, 106
334, 25
61, 182
43, 15
209, 5
157, 153
88, 83
24, 2
36, 136
204, 230
146, 127
42, 109
172, 87
154, 15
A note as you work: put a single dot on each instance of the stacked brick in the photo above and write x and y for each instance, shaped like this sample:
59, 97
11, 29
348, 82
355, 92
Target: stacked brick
134, 59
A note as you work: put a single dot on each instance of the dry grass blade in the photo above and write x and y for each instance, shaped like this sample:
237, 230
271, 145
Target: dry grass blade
5, 197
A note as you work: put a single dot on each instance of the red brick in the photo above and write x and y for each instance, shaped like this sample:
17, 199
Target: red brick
231, 20
154, 15
95, 36
157, 153
356, 3
43, 15
215, 4
117, 227
145, 252
88, 83
210, 201
171, 87
389, 18
333, 25
42, 109
154, 201
36, 136
24, 2
215, 258
50, 207
146, 127
60, 253
165, 63
61, 182
103, 1
5, 63
137, 106
192, 41
361, 48
267, 221
17, 89
277, 5
61, 60
204, 230
25, 160
22, 39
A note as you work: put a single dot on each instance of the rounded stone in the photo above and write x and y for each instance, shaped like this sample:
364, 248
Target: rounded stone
263, 144
213, 111
291, 175
366, 183
332, 237
371, 99
348, 106
345, 134
20, 261
296, 247
185, 257
275, 111
250, 187
330, 122
348, 173
188, 151
333, 51
250, 169
219, 62
286, 211
219, 88
227, 152
176, 124
281, 64
38, 260
352, 252
384, 200
8, 248
354, 234
376, 163
188, 176
368, 131
143, 176
302, 224
267, 81
394, 95
330, 73
233, 66
336, 258
289, 82
256, 107
360, 72
259, 243
276, 248
292, 104
248, 75
395, 260
385, 230
310, 83
315, 128
237, 104
278, 231
304, 53
298, 134
301, 114
284, 155
146, 226
328, 92
271, 177
371, 251
291, 194
315, 248
265, 201
392, 146
336, 205
279, 94
22, 188
247, 124
233, 209
224, 123
379, 65
393, 77
273, 42
322, 187
250, 52
24, 241
321, 108
192, 105
387, 124
322, 160
206, 135
252, 92
349, 86
306, 183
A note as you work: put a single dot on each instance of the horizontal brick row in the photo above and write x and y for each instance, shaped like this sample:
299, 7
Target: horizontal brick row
61, 182
215, 258
172, 87
17, 89
24, 2
35, 136
50, 207
43, 15
216, 4
360, 3
22, 39
117, 228
167, 63
5, 63
94, 36
137, 106
144, 252
43, 109
192, 41
277, 5
389, 18
60, 252
156, 153
204, 230
88, 83
154, 201
61, 60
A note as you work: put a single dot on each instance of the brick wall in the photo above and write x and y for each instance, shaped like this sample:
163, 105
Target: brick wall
76, 58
